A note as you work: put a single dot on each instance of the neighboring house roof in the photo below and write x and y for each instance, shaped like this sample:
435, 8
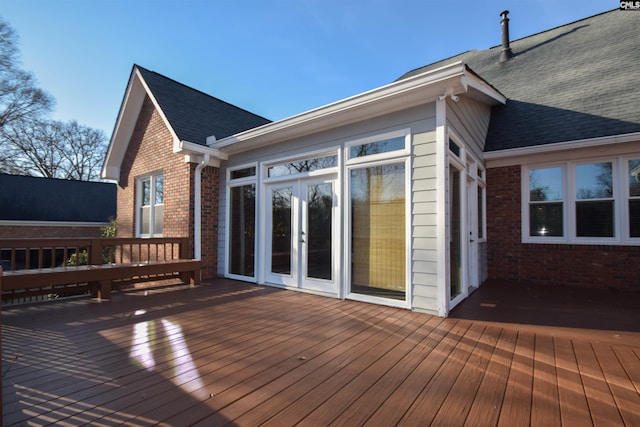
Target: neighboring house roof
27, 198
574, 82
191, 117
194, 115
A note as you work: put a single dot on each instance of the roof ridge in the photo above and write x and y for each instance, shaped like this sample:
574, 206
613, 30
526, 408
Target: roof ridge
198, 91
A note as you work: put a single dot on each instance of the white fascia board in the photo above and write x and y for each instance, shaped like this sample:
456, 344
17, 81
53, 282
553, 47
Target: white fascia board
126, 122
396, 96
517, 156
486, 93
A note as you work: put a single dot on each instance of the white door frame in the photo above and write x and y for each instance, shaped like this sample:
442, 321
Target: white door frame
298, 276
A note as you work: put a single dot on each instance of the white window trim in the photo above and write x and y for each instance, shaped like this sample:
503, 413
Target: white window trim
391, 157
621, 198
139, 180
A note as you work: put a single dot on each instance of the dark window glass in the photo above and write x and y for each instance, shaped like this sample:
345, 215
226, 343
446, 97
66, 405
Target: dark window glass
634, 218
243, 173
545, 219
242, 230
454, 148
594, 218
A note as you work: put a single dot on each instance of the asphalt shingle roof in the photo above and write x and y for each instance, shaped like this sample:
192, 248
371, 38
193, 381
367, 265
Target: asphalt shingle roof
573, 82
194, 115
28, 198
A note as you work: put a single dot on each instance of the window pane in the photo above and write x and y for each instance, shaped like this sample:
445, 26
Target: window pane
545, 219
242, 230
281, 230
300, 166
158, 222
146, 192
319, 227
545, 184
634, 218
454, 148
634, 178
378, 147
243, 173
145, 220
378, 265
594, 219
159, 181
594, 181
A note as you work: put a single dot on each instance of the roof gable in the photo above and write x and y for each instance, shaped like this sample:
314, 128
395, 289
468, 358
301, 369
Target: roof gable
190, 115
194, 115
569, 83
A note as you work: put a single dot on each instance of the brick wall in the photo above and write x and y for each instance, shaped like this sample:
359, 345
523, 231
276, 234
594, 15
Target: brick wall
39, 232
151, 150
596, 266
209, 223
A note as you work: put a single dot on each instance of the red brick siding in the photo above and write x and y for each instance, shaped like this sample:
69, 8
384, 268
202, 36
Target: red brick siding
209, 223
151, 150
594, 266
39, 232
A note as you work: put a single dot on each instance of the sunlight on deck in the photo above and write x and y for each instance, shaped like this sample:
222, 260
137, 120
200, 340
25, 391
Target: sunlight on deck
147, 338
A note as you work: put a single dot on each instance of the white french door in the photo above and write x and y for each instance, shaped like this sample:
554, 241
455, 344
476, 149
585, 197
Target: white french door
300, 236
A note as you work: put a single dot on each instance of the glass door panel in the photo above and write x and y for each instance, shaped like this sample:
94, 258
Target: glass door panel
378, 230
455, 229
281, 230
318, 237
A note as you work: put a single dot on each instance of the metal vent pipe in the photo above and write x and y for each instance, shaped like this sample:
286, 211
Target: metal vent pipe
505, 53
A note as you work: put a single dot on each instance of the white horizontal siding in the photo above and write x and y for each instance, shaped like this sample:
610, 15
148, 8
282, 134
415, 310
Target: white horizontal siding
470, 121
424, 210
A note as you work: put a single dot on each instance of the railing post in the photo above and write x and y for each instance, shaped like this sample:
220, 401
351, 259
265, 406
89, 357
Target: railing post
184, 248
95, 252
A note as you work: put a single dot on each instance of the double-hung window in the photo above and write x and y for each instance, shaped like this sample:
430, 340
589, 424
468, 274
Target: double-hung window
590, 202
150, 206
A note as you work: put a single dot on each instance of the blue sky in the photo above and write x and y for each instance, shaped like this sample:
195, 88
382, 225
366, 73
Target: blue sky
275, 58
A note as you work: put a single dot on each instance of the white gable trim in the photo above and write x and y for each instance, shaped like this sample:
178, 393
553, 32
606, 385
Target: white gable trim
126, 122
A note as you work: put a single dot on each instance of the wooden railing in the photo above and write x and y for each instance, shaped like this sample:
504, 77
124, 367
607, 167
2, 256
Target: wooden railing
18, 254
23, 258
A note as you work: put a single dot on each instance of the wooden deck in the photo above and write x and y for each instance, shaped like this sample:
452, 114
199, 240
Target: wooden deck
231, 353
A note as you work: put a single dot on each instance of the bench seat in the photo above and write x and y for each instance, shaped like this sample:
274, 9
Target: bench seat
100, 278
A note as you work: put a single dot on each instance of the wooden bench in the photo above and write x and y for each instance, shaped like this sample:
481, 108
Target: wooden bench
101, 278
109, 263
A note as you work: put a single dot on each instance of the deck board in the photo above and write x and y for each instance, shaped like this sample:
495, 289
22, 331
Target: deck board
235, 353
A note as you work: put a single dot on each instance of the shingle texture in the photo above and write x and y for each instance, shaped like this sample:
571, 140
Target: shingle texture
194, 115
26, 198
572, 82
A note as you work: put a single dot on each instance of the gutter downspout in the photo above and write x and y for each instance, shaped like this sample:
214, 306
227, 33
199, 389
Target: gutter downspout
197, 210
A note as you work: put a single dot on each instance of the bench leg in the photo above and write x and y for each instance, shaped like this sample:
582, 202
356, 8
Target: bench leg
100, 290
190, 277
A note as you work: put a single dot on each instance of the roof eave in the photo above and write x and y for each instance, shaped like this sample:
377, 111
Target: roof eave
418, 90
516, 156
